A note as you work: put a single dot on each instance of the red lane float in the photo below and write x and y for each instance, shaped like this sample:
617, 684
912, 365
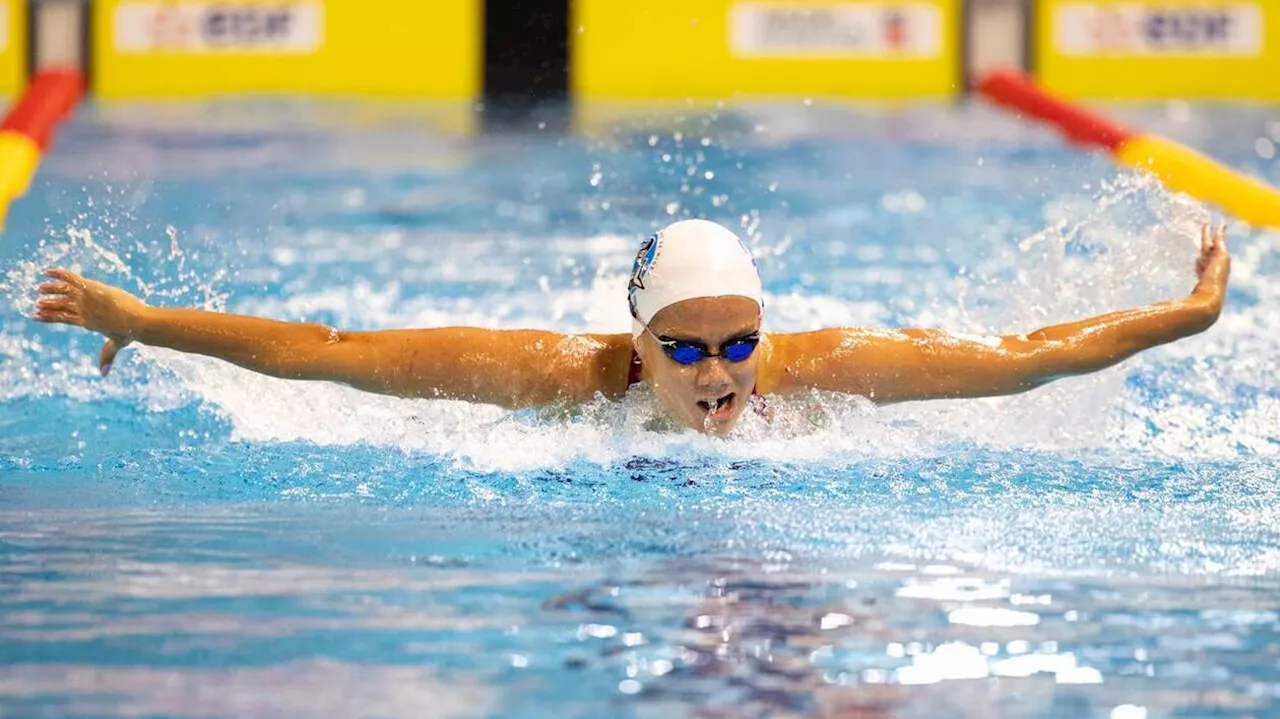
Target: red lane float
29, 126
1178, 167
1018, 92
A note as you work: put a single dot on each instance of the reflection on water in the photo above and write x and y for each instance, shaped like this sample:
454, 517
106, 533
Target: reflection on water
286, 610
305, 688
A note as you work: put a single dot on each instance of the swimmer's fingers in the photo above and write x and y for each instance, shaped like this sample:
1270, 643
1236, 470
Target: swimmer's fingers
65, 275
71, 281
1206, 243
56, 288
110, 349
58, 317
1213, 266
58, 303
1213, 237
59, 300
1213, 244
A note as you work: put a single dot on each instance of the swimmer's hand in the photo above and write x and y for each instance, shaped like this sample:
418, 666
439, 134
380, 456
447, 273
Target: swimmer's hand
73, 300
1213, 268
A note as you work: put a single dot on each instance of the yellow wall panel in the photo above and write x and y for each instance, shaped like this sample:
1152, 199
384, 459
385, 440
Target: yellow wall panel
13, 50
701, 49
1153, 49
185, 48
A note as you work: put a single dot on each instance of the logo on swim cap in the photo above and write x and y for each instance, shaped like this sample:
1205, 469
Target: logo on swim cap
644, 262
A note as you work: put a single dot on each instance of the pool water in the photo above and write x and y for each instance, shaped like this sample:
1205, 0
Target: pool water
187, 539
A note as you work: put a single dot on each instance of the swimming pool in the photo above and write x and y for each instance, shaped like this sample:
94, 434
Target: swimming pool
187, 539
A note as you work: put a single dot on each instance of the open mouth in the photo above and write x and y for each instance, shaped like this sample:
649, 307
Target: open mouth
720, 407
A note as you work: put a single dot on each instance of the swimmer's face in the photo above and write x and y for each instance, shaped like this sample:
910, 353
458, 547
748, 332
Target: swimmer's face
710, 395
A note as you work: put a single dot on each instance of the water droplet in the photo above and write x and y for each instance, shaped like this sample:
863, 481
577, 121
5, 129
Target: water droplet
673, 208
653, 141
629, 686
709, 175
1129, 711
834, 620
1265, 148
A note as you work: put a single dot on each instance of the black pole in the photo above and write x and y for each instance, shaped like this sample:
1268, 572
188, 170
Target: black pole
33, 28
526, 63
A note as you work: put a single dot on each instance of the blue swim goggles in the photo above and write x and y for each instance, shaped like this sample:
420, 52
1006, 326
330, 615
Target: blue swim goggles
687, 352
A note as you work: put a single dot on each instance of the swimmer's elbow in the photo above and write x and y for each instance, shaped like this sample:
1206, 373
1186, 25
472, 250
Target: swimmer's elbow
1044, 361
329, 354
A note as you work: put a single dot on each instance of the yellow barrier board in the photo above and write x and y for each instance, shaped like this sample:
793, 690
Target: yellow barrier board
13, 47
1155, 49
713, 49
186, 48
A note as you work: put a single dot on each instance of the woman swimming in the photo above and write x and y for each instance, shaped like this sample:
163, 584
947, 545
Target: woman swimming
696, 305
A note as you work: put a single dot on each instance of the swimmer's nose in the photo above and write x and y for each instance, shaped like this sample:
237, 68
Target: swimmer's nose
713, 374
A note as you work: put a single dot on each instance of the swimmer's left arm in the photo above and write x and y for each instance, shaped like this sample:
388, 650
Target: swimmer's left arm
510, 368
902, 365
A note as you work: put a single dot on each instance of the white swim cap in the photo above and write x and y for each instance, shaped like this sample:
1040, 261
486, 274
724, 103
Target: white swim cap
688, 259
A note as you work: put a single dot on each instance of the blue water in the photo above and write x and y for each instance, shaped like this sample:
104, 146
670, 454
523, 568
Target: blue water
187, 539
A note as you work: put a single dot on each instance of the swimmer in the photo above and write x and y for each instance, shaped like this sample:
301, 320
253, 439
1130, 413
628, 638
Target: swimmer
696, 304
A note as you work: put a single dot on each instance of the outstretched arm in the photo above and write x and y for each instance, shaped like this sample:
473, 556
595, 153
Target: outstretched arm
895, 366
510, 368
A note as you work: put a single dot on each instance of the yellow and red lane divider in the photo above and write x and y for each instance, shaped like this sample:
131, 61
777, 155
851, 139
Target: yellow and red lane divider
29, 127
1177, 166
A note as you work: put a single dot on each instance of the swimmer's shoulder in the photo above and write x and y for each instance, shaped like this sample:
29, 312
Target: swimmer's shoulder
792, 360
595, 363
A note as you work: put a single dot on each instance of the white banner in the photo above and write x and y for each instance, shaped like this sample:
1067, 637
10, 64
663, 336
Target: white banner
1137, 29
287, 28
863, 29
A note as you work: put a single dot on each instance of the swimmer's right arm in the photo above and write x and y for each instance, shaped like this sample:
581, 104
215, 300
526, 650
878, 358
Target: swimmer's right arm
916, 364
509, 368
